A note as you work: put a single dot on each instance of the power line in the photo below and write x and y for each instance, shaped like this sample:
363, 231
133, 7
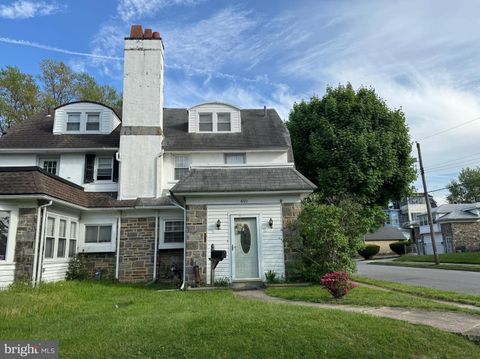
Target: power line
473, 161
449, 129
441, 164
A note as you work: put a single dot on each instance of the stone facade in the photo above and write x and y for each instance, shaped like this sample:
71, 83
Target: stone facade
196, 242
465, 236
170, 264
25, 244
103, 262
290, 212
137, 246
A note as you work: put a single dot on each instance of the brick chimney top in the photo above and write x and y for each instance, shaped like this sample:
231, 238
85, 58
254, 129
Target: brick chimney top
136, 32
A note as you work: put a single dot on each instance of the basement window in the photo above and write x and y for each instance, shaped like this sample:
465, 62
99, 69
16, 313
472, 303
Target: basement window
98, 233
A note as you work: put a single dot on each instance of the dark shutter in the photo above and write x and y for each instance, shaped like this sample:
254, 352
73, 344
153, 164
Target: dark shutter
115, 169
89, 168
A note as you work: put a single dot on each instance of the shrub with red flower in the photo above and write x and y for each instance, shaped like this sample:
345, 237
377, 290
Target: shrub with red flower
337, 283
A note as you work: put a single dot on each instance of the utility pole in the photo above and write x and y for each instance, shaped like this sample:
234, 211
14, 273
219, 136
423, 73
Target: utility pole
429, 209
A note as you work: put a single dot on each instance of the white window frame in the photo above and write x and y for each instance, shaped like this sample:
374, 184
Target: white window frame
11, 236
175, 165
212, 114
98, 225
56, 236
230, 122
42, 160
243, 154
97, 158
86, 121
72, 238
79, 122
162, 244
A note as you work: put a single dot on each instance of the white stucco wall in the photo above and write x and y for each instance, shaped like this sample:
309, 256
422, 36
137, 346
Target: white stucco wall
16, 160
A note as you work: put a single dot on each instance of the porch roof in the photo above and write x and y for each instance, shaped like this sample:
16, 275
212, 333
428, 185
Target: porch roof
246, 179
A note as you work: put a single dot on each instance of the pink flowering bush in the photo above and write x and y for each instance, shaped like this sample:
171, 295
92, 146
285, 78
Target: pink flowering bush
337, 283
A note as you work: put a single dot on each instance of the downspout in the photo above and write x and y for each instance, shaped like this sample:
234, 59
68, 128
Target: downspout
37, 237
175, 202
155, 252
117, 259
38, 278
158, 171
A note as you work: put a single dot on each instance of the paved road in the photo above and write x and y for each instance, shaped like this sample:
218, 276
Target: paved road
459, 281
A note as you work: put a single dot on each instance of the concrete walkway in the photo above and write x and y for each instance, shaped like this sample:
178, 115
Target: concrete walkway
467, 325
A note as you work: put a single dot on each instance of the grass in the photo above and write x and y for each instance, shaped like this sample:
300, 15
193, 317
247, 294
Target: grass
464, 258
423, 291
363, 296
447, 266
94, 320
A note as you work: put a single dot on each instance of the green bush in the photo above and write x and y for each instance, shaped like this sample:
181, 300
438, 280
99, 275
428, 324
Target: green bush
400, 247
369, 251
76, 269
271, 277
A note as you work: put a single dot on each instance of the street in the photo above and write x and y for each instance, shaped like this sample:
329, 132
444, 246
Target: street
458, 281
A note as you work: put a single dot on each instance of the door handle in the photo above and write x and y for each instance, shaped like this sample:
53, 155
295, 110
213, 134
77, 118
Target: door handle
233, 247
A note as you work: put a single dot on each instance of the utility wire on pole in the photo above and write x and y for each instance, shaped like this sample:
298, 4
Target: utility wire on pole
429, 209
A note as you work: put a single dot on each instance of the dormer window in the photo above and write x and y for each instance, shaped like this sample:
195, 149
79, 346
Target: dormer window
235, 158
93, 121
206, 122
223, 122
73, 121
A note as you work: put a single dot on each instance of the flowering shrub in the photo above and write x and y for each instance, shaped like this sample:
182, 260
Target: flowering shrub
337, 283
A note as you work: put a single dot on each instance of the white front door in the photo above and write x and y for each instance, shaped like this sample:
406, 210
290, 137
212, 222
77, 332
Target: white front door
245, 248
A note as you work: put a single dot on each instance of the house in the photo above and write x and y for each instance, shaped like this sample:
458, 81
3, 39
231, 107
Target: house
460, 227
147, 192
383, 237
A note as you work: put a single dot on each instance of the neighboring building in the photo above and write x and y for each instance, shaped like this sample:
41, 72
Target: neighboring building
145, 193
412, 207
460, 227
383, 237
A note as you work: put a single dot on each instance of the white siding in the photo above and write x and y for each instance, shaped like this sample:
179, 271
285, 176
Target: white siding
7, 271
271, 239
214, 108
108, 119
54, 270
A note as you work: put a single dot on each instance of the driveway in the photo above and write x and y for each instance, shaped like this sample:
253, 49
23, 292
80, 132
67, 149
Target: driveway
458, 281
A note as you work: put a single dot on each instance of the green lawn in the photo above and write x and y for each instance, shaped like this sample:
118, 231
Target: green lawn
94, 320
423, 291
466, 258
362, 296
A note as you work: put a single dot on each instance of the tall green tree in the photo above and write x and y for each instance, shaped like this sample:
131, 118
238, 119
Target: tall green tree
350, 143
87, 88
18, 97
467, 188
59, 83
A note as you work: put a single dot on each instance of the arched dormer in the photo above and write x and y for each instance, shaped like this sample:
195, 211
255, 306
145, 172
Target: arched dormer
214, 117
84, 117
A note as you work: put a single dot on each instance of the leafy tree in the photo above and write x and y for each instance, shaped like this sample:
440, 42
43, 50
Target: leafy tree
467, 188
350, 143
59, 83
18, 96
326, 235
88, 89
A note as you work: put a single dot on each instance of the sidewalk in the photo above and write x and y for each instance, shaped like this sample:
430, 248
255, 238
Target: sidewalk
467, 325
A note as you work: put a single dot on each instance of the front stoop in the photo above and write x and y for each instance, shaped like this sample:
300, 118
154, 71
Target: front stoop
247, 285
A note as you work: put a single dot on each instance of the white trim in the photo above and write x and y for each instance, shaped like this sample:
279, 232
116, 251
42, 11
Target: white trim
161, 242
193, 194
95, 169
226, 150
12, 234
214, 103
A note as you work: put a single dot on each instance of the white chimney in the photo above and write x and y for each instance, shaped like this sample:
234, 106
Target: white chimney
142, 119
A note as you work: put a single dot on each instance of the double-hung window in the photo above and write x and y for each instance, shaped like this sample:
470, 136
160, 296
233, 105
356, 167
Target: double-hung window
181, 166
173, 232
98, 233
205, 122
104, 168
62, 239
50, 238
223, 122
73, 121
72, 246
4, 227
235, 158
93, 121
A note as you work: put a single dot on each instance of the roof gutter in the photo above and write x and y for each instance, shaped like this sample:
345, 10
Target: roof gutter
243, 193
56, 150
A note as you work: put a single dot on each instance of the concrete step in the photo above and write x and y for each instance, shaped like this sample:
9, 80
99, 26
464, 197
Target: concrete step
247, 285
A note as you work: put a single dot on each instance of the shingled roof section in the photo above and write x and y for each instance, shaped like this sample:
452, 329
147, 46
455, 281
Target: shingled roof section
386, 234
248, 179
258, 132
36, 181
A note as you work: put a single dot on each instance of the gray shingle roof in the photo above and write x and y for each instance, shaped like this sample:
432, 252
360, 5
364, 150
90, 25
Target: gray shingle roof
247, 179
385, 234
258, 132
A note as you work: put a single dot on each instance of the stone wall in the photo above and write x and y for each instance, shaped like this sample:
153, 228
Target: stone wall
105, 262
290, 212
170, 264
466, 236
137, 246
25, 244
196, 242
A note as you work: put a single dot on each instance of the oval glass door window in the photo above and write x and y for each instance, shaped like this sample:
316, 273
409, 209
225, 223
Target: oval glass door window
245, 238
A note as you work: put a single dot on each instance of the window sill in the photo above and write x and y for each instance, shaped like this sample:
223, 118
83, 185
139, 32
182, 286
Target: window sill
171, 246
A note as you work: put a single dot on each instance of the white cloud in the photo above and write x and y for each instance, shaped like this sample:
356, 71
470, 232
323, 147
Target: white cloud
129, 10
24, 9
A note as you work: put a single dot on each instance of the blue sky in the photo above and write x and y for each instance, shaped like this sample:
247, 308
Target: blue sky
421, 56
